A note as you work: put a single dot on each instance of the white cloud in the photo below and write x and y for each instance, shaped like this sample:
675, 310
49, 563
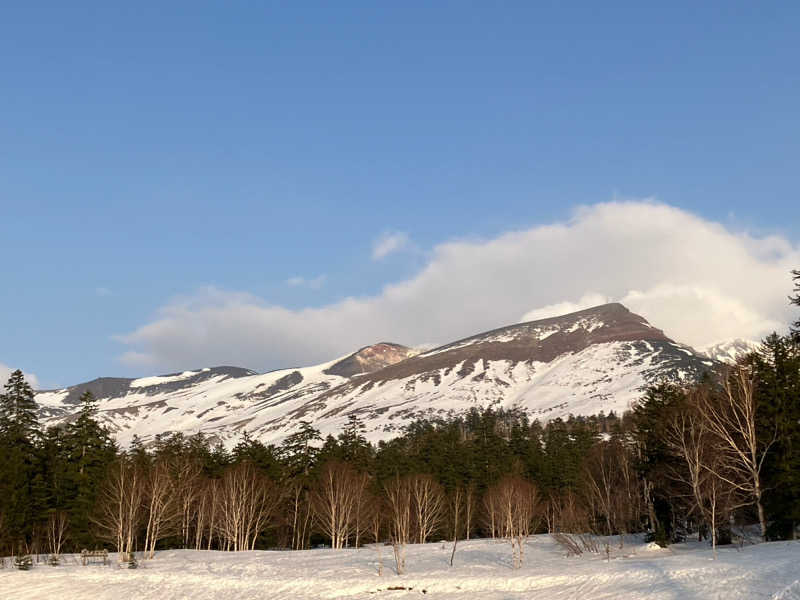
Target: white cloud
102, 291
694, 278
313, 283
566, 307
388, 243
5, 371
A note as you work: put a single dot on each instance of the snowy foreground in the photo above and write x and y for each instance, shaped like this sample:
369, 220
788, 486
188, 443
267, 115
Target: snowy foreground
482, 571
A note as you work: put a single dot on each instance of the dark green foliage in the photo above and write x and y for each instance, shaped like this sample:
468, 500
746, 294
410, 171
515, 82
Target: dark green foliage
88, 450
266, 458
18, 421
353, 446
655, 462
796, 301
485, 445
777, 369
299, 450
21, 484
58, 470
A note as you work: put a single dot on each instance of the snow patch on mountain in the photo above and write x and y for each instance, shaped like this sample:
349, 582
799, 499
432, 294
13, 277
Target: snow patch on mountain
729, 351
150, 381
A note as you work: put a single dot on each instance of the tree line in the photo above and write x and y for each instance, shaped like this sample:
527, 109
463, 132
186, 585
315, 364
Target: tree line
686, 460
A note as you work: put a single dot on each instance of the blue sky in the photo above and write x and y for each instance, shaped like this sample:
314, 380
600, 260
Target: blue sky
149, 153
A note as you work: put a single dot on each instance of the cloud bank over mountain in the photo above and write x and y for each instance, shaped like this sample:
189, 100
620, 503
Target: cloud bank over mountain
697, 279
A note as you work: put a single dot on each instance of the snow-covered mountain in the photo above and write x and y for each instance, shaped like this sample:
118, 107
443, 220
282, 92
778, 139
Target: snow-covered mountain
599, 359
729, 351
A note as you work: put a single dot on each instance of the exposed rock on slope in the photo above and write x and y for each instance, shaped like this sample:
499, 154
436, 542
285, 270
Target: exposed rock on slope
369, 359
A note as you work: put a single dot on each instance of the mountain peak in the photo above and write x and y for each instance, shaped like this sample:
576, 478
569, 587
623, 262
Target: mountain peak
569, 332
370, 358
611, 310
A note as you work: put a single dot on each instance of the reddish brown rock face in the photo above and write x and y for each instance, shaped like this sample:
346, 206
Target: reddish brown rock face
369, 359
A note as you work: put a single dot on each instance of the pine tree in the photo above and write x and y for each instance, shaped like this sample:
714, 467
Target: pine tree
21, 484
777, 372
796, 301
654, 460
257, 454
354, 447
18, 420
89, 450
298, 449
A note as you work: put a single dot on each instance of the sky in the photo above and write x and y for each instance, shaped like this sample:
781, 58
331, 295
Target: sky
276, 184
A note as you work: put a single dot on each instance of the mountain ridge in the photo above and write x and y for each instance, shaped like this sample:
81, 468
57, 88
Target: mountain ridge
595, 359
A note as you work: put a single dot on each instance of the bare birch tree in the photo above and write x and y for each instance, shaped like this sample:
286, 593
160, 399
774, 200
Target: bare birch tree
491, 511
429, 505
601, 478
399, 502
375, 518
456, 509
187, 477
518, 509
162, 504
469, 509
612, 487
247, 501
57, 524
120, 505
336, 501
300, 513
365, 507
731, 418
704, 469
213, 496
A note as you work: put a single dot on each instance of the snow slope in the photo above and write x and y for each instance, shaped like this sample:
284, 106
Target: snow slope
599, 359
482, 571
218, 405
729, 351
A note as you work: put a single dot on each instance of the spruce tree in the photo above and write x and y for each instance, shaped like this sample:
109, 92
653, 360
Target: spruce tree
298, 449
18, 419
257, 454
21, 483
796, 301
353, 445
89, 450
777, 371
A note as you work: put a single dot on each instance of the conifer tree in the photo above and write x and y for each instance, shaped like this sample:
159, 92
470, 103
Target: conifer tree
18, 420
298, 448
796, 301
260, 456
354, 447
21, 485
777, 371
89, 451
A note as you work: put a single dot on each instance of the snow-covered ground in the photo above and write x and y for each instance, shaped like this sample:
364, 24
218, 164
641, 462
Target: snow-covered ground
482, 571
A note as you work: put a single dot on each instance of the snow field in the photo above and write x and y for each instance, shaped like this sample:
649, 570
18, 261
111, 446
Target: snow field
482, 571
